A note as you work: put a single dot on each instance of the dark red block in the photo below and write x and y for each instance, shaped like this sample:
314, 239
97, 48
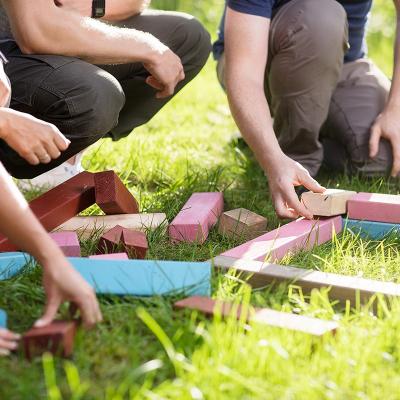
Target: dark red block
56, 338
110, 241
135, 243
60, 204
112, 196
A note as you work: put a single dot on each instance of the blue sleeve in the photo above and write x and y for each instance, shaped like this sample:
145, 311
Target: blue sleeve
261, 8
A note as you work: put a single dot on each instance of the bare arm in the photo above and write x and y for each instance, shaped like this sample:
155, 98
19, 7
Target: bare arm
246, 52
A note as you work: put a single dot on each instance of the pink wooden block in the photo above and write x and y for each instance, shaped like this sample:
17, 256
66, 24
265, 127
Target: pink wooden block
197, 217
68, 242
290, 238
375, 207
111, 256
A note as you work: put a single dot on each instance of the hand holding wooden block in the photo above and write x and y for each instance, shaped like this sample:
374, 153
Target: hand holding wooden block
242, 223
112, 196
328, 204
56, 338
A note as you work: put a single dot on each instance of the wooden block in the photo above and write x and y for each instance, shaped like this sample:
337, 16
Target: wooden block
68, 243
111, 256
375, 207
12, 263
298, 235
3, 319
145, 277
135, 243
60, 204
312, 326
110, 241
86, 226
56, 338
242, 223
342, 287
371, 229
197, 217
328, 204
112, 196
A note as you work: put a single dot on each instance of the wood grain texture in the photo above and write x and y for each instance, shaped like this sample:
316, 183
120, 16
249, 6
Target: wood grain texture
110, 241
112, 196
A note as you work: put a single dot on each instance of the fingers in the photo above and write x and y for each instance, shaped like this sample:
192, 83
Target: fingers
311, 184
396, 158
294, 202
282, 210
90, 310
374, 140
51, 310
8, 341
60, 140
52, 150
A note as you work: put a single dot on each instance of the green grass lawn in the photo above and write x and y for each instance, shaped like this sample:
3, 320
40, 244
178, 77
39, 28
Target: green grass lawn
145, 350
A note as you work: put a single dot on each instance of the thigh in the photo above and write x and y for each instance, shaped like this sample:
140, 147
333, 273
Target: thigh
359, 98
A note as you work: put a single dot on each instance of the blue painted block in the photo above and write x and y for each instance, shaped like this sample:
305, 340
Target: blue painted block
3, 319
12, 263
145, 277
370, 229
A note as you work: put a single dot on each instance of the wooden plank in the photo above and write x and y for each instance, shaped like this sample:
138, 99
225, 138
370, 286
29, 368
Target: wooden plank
112, 196
145, 277
56, 338
242, 223
12, 263
110, 256
375, 207
3, 319
342, 288
135, 243
109, 242
197, 217
60, 204
328, 204
298, 235
87, 226
68, 243
312, 326
371, 229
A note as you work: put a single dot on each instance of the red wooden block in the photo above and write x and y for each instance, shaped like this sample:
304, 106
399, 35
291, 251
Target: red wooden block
135, 243
110, 241
112, 196
60, 204
56, 338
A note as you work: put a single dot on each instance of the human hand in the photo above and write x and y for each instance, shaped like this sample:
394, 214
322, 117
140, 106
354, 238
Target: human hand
83, 7
8, 341
34, 140
62, 283
166, 71
387, 126
283, 176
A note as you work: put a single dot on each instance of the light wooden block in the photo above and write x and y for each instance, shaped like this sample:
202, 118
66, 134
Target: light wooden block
375, 207
312, 326
328, 204
12, 263
68, 243
197, 217
343, 288
298, 235
241, 223
3, 319
86, 226
111, 256
371, 229
145, 277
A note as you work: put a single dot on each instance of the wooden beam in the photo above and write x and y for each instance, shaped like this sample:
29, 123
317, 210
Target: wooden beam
12, 263
371, 229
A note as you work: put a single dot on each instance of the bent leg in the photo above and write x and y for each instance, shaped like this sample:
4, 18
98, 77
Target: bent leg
82, 100
185, 36
359, 98
308, 39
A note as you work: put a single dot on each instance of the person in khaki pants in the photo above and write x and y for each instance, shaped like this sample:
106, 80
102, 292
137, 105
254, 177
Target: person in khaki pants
304, 62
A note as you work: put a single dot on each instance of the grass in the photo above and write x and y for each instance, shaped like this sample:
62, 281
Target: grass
145, 350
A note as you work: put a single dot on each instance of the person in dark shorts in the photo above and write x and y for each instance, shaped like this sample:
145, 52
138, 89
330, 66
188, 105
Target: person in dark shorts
304, 63
94, 78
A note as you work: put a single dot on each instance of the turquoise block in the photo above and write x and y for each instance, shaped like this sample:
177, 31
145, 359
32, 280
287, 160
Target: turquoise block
12, 263
3, 319
145, 277
370, 229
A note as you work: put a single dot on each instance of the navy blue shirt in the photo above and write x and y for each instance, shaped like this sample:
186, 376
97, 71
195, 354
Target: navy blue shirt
357, 15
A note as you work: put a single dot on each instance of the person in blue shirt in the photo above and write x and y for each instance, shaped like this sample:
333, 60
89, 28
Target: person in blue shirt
303, 92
